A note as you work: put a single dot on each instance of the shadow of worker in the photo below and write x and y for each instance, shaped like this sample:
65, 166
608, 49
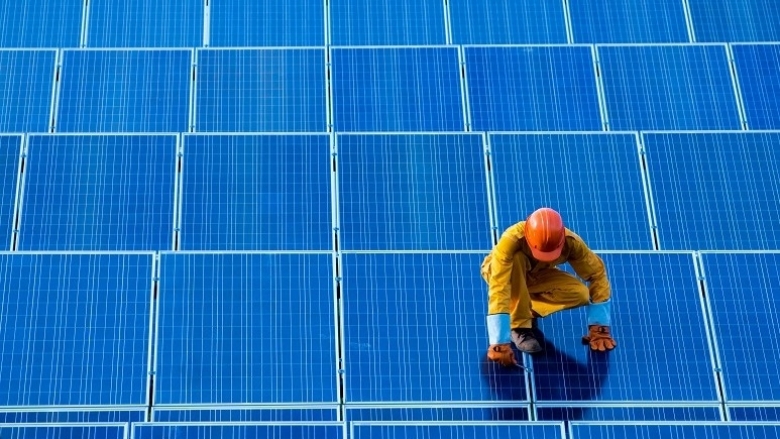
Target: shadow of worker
557, 376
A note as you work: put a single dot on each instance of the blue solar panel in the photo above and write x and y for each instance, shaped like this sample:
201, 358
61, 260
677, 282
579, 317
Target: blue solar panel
35, 23
672, 431
628, 21
396, 89
261, 90
10, 149
735, 20
742, 290
242, 23
256, 192
369, 430
710, 188
513, 412
239, 431
414, 331
759, 82
532, 89
76, 329
124, 91
593, 180
26, 84
413, 192
678, 87
586, 413
64, 431
503, 22
387, 22
658, 322
98, 192
145, 23
225, 414
60, 416
752, 414
246, 328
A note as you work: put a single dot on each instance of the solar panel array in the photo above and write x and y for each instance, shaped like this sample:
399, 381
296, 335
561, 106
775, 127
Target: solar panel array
266, 219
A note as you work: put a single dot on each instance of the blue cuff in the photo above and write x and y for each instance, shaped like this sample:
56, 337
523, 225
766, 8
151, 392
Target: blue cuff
599, 313
498, 328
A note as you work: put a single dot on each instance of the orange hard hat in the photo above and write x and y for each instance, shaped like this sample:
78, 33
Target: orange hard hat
545, 234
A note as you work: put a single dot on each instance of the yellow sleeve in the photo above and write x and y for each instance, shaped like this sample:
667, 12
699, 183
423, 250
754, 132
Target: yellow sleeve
500, 288
590, 267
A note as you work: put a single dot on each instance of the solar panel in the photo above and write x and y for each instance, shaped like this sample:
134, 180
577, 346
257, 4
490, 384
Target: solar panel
95, 415
753, 414
412, 192
239, 431
261, 90
502, 22
735, 20
741, 289
124, 91
532, 89
246, 329
243, 23
373, 430
256, 192
668, 87
663, 353
709, 188
98, 192
387, 23
643, 21
64, 431
682, 413
673, 431
233, 414
512, 412
396, 89
30, 23
76, 329
593, 180
26, 84
759, 83
414, 331
10, 150
145, 23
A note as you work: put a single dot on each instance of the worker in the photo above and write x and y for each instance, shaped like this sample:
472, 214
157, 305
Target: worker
524, 283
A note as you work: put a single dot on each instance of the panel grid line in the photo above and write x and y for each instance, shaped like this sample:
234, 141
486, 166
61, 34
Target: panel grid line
709, 330
178, 193
491, 189
55, 91
464, 95
712, 333
206, 23
447, 22
567, 22
17, 195
84, 23
193, 90
647, 188
326, 25
19, 204
328, 91
737, 88
689, 21
600, 87
647, 182
152, 347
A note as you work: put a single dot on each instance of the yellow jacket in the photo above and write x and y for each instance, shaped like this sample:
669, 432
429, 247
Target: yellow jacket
501, 259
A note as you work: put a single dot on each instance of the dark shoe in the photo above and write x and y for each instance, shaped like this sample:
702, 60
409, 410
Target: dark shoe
525, 340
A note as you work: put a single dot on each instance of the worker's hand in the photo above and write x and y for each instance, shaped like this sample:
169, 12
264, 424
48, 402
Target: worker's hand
599, 338
502, 354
